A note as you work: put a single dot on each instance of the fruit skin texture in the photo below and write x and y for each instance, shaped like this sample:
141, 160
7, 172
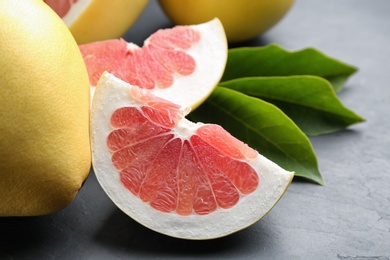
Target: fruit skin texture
44, 111
242, 20
106, 19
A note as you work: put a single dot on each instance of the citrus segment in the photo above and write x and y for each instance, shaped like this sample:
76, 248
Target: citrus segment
172, 176
182, 64
214, 161
165, 158
152, 66
95, 20
222, 140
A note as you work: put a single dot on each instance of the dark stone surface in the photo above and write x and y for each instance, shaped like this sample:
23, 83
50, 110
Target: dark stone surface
348, 218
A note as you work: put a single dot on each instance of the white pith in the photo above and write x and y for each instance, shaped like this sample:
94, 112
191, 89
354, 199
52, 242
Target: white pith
75, 11
112, 94
210, 56
185, 129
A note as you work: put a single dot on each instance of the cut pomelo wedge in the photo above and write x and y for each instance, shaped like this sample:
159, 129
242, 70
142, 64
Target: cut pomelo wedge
182, 179
95, 20
182, 64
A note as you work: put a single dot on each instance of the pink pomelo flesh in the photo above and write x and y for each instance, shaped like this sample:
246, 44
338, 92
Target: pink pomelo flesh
194, 174
61, 7
155, 65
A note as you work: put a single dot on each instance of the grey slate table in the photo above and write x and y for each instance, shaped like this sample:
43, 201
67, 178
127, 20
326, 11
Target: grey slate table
348, 218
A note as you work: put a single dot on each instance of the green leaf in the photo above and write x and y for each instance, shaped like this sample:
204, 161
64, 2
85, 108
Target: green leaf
309, 101
262, 126
272, 60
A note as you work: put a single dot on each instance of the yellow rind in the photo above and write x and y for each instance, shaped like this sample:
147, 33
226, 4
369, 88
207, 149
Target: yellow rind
106, 19
242, 20
45, 152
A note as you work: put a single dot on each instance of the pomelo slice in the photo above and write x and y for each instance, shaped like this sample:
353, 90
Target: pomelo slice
183, 179
95, 20
182, 64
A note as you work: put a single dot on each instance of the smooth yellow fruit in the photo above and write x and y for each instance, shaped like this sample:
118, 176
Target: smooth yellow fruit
44, 111
96, 20
242, 20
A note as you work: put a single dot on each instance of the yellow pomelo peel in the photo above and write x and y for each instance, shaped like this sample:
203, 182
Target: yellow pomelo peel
242, 20
103, 19
44, 111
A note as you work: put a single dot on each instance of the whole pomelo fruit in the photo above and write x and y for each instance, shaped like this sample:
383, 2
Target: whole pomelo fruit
44, 111
242, 20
